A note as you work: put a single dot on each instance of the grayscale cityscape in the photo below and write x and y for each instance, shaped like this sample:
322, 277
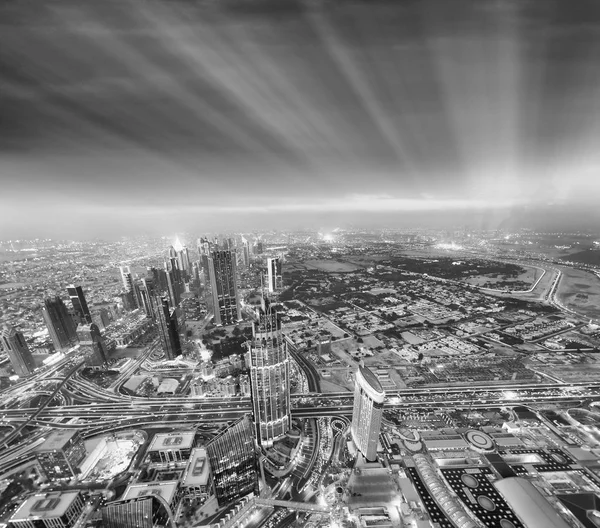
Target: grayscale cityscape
299, 263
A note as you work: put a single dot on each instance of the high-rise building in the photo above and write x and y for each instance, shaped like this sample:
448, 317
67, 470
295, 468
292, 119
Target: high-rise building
269, 376
366, 415
173, 287
223, 280
168, 328
130, 286
246, 253
59, 323
146, 511
232, 456
147, 294
274, 274
17, 350
54, 509
92, 345
80, 307
61, 454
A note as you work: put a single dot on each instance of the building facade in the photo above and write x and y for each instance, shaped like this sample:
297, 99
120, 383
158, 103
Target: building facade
61, 454
80, 307
59, 323
274, 274
223, 280
147, 511
366, 415
92, 345
232, 457
17, 350
168, 328
57, 509
269, 376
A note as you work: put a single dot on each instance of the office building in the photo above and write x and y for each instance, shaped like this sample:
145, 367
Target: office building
232, 458
274, 274
92, 345
197, 480
145, 511
168, 328
59, 323
269, 376
168, 490
56, 509
130, 287
167, 448
366, 415
80, 307
61, 454
147, 295
17, 350
223, 281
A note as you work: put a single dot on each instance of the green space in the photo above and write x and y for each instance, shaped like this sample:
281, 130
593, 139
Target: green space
331, 266
589, 256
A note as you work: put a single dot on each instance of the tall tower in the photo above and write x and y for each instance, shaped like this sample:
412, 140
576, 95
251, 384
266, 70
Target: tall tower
18, 352
59, 322
92, 345
232, 457
270, 377
168, 328
366, 415
223, 281
79, 303
274, 274
129, 285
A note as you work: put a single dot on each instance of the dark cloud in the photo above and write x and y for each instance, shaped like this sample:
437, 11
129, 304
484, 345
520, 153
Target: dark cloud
241, 103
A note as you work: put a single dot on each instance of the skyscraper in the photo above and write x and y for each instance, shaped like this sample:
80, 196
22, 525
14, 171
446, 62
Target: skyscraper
130, 286
18, 352
223, 281
270, 376
92, 345
274, 274
80, 307
168, 328
366, 415
60, 324
146, 289
232, 457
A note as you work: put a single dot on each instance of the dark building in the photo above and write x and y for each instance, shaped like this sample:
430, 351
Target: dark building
168, 328
92, 345
59, 323
269, 376
223, 281
17, 350
61, 454
133, 301
232, 457
147, 511
80, 307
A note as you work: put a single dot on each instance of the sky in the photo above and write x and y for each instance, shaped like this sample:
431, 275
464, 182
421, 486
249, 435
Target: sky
141, 116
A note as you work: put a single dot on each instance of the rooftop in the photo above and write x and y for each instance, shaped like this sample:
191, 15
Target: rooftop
56, 439
371, 379
179, 440
45, 505
197, 472
165, 489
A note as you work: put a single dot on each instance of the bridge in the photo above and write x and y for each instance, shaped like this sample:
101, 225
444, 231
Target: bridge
310, 507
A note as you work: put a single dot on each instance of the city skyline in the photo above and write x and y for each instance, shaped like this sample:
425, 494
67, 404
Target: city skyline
314, 112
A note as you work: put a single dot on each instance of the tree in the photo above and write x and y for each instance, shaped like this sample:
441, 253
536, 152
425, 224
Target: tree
420, 356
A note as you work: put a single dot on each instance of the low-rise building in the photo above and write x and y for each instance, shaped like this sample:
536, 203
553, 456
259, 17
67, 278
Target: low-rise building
167, 448
197, 480
59, 509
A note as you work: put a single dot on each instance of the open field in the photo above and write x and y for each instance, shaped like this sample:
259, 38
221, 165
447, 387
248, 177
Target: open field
580, 291
529, 276
331, 266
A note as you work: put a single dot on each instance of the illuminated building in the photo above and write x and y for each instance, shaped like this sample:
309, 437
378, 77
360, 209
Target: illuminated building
80, 307
168, 328
269, 375
92, 345
274, 274
56, 509
61, 454
223, 280
366, 415
17, 350
232, 459
145, 511
59, 323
